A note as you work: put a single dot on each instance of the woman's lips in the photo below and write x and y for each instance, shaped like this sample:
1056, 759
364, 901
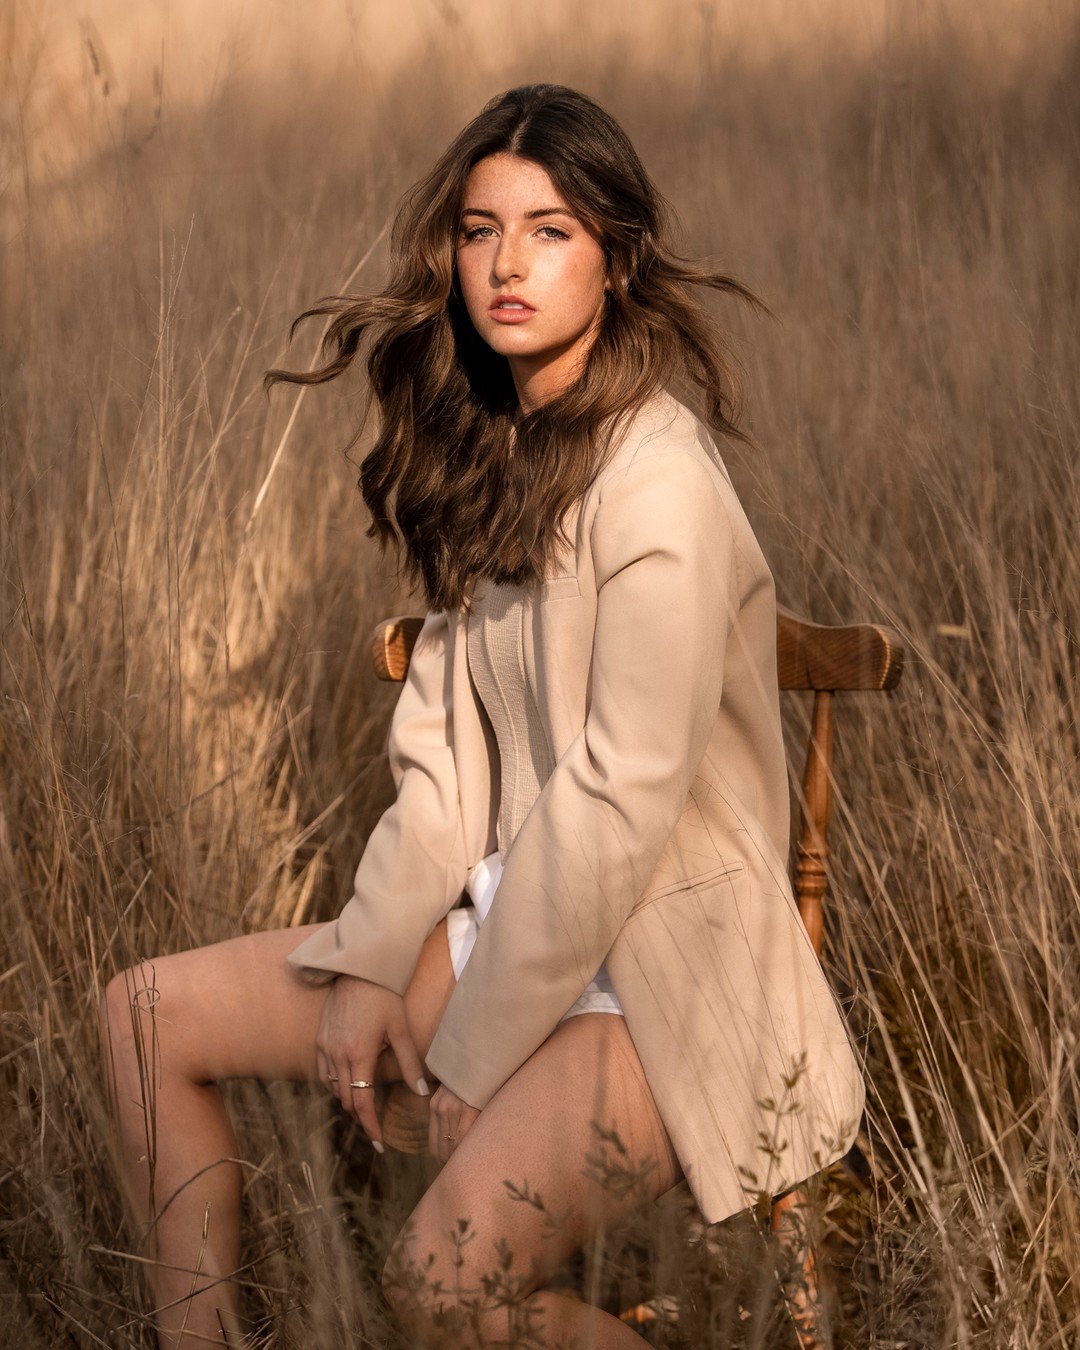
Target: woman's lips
511, 314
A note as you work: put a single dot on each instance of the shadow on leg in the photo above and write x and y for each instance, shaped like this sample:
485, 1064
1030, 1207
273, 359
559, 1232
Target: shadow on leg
540, 1174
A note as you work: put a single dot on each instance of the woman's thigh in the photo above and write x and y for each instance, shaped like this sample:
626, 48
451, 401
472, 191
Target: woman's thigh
235, 1009
543, 1133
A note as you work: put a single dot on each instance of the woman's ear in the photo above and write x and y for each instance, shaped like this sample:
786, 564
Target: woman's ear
616, 281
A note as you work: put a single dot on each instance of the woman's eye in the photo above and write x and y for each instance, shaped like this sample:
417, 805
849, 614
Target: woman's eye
555, 233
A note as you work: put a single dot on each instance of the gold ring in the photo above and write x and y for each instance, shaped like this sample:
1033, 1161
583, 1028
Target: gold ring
361, 1083
331, 1077
451, 1137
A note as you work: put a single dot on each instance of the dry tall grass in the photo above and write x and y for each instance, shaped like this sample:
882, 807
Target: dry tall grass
190, 730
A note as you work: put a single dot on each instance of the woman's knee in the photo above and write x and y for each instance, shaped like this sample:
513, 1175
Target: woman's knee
527, 1183
135, 1011
404, 1287
230, 1009
442, 1272
410, 1279
125, 996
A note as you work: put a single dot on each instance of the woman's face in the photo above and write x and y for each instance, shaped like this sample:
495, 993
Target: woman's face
518, 237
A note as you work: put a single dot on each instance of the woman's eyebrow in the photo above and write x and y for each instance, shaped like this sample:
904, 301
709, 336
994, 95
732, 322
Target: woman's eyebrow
529, 215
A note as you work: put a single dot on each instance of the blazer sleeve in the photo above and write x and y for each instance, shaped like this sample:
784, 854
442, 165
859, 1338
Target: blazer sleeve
667, 591
413, 867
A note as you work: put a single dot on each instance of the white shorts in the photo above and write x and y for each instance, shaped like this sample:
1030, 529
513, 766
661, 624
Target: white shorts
463, 923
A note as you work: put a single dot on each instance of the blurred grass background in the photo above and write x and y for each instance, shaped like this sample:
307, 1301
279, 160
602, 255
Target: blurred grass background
191, 736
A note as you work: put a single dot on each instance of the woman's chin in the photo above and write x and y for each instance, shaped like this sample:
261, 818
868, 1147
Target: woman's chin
519, 346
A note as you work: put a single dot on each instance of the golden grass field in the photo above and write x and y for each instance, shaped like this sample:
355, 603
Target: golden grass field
192, 737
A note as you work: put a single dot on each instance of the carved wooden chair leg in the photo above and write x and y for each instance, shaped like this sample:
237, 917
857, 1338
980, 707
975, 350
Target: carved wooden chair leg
404, 1118
799, 1275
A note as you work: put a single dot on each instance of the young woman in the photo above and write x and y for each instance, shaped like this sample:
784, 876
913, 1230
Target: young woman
587, 746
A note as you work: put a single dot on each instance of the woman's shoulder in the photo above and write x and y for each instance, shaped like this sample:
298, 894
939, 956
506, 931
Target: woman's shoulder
663, 469
666, 443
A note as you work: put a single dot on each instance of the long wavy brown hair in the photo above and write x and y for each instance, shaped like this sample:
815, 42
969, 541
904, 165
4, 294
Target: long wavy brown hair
440, 479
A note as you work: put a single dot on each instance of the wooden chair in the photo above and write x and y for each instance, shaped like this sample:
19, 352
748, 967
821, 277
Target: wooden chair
826, 659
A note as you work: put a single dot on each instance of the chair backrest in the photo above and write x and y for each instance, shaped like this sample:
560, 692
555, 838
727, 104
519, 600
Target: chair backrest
828, 659
824, 658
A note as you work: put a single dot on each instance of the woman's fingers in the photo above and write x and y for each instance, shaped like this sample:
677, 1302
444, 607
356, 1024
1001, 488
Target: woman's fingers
354, 1012
435, 1142
335, 1079
340, 1088
362, 1102
408, 1057
325, 1070
443, 1122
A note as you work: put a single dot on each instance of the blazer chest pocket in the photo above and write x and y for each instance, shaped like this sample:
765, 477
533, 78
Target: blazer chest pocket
559, 588
704, 879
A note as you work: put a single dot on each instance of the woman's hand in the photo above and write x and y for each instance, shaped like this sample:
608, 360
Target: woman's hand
359, 1020
449, 1116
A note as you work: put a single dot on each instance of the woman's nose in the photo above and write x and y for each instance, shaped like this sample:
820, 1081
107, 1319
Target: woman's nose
509, 260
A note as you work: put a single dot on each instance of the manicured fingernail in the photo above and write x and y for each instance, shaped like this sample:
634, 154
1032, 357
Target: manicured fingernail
422, 1088
377, 1144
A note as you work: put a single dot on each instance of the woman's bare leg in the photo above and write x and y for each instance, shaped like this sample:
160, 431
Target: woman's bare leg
173, 1028
536, 1132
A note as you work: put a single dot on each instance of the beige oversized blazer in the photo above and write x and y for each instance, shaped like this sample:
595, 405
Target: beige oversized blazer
658, 845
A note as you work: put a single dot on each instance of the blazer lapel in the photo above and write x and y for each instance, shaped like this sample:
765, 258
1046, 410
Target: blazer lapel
476, 751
